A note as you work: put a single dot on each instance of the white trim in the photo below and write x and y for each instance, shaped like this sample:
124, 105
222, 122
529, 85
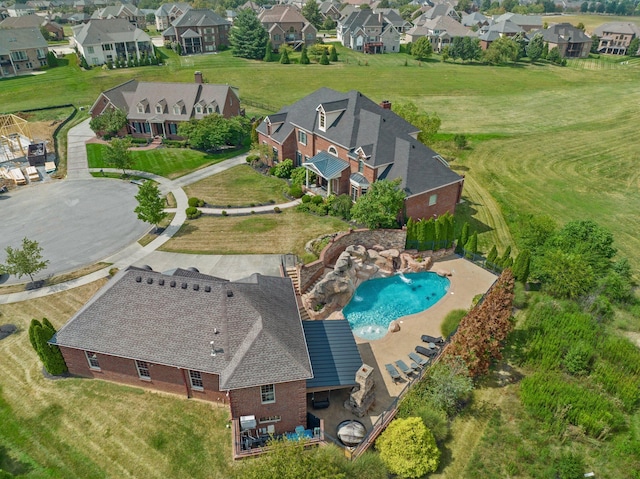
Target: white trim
89, 358
139, 368
262, 393
434, 189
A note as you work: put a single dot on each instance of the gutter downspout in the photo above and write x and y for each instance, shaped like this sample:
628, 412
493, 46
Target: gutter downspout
184, 379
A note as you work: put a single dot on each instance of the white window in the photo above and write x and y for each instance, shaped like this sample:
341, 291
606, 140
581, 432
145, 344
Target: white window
433, 199
302, 137
323, 120
198, 109
140, 108
268, 394
196, 380
158, 109
209, 110
89, 50
332, 150
262, 420
176, 110
143, 369
92, 359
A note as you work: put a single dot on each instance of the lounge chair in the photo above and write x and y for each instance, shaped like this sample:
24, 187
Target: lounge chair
403, 367
393, 372
417, 359
430, 353
432, 339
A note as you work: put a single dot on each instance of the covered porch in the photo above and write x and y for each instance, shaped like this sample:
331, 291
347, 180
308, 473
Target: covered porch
328, 170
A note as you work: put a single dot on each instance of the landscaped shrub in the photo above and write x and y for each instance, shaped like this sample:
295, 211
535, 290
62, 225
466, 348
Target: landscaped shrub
295, 191
276, 210
431, 234
113, 271
49, 354
316, 200
175, 143
306, 198
408, 448
341, 207
224, 213
252, 158
299, 176
493, 255
451, 321
283, 169
193, 212
520, 297
193, 201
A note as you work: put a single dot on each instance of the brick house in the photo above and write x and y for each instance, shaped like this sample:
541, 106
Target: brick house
126, 11
286, 25
198, 31
56, 31
240, 343
570, 41
616, 37
156, 108
368, 32
350, 142
168, 12
21, 50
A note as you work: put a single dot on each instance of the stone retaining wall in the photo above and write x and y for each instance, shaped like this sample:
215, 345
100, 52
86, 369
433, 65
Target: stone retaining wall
387, 239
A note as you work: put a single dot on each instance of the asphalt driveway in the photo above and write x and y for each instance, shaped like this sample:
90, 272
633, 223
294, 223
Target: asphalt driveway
76, 222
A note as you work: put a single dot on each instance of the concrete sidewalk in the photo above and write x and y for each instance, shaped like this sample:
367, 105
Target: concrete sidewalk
77, 166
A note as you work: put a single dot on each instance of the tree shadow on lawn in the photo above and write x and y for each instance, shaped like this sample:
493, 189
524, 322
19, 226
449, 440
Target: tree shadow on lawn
466, 211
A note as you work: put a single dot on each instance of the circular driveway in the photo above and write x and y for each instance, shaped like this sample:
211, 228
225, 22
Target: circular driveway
76, 222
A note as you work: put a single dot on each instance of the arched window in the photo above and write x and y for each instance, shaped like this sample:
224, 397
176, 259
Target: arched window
333, 151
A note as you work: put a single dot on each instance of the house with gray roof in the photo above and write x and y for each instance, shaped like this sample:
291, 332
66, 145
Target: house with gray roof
20, 9
350, 142
493, 31
474, 19
525, 22
157, 108
55, 30
368, 32
239, 343
198, 31
167, 13
440, 31
103, 41
286, 25
126, 11
615, 37
22, 50
570, 41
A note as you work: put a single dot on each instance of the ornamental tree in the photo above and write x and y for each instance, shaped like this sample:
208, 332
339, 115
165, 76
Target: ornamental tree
109, 122
118, 155
311, 11
408, 448
304, 57
24, 261
49, 354
380, 206
429, 124
422, 49
150, 207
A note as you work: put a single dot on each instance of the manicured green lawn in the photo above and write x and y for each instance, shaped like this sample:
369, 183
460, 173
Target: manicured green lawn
168, 162
238, 187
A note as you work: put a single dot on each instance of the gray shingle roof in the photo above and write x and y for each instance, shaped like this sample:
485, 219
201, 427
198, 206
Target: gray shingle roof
199, 18
562, 33
97, 32
20, 39
385, 137
171, 320
617, 27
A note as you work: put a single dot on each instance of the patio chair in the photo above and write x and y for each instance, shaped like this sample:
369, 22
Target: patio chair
393, 372
417, 359
432, 339
430, 353
403, 367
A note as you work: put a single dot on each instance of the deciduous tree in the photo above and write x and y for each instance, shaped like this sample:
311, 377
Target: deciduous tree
311, 11
24, 261
422, 49
535, 47
109, 122
380, 206
117, 154
429, 124
408, 448
150, 207
503, 50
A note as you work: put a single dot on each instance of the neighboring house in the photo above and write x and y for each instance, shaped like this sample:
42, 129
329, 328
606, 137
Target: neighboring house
475, 19
198, 31
252, 5
20, 10
240, 343
34, 21
39, 5
286, 25
22, 50
491, 33
168, 12
392, 16
526, 22
126, 11
571, 41
615, 37
330, 9
350, 142
102, 41
156, 109
367, 32
77, 18
441, 31
438, 10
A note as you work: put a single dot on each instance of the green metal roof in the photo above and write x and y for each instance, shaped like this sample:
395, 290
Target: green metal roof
334, 355
326, 165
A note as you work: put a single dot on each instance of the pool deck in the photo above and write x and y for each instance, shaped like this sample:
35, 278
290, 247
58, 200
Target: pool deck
467, 281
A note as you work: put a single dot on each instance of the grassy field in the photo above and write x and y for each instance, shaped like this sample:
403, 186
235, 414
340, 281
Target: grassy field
73, 428
168, 162
589, 21
286, 232
238, 187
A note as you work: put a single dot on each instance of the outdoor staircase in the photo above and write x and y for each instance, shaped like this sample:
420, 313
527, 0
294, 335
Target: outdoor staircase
292, 273
157, 141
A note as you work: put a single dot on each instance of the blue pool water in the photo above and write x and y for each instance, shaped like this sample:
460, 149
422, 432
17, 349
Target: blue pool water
377, 302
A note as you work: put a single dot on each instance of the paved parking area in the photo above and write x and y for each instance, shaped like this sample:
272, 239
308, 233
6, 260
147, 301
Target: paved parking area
76, 222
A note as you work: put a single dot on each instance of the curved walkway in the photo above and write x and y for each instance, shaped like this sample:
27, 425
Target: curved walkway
77, 168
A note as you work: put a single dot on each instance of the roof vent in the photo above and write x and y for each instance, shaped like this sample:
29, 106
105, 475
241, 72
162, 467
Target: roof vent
149, 280
184, 285
138, 279
193, 268
207, 289
229, 293
161, 282
172, 284
196, 287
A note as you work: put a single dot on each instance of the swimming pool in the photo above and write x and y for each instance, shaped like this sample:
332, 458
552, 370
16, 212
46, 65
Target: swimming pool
379, 301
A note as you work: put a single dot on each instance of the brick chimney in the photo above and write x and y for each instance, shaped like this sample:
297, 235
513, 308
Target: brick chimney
198, 77
386, 104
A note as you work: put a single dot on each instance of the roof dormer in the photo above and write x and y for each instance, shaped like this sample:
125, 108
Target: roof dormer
143, 106
178, 108
329, 112
161, 106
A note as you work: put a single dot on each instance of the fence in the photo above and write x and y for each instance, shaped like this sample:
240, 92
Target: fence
259, 104
481, 261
